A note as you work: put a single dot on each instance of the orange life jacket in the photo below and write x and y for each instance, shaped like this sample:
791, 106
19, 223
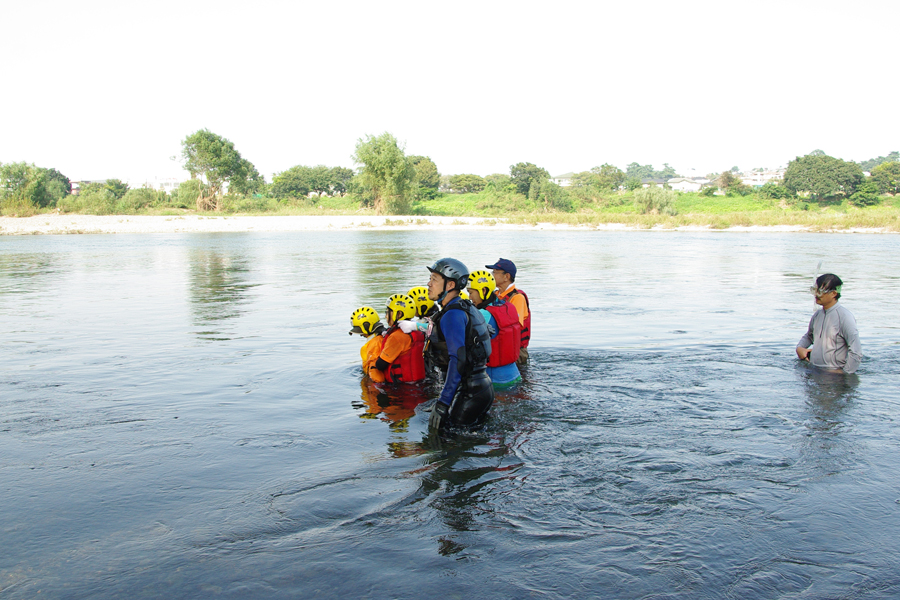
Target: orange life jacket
409, 366
505, 346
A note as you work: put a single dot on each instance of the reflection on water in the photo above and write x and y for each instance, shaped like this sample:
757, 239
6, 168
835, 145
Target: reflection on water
392, 403
23, 273
219, 289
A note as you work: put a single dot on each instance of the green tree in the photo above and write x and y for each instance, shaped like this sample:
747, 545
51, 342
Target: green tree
869, 165
866, 194
822, 176
427, 176
293, 183
732, 185
524, 174
387, 172
117, 187
24, 187
773, 191
467, 183
585, 180
552, 196
638, 171
609, 177
655, 199
340, 179
886, 177
58, 184
215, 161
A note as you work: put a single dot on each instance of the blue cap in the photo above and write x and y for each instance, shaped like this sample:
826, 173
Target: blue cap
504, 264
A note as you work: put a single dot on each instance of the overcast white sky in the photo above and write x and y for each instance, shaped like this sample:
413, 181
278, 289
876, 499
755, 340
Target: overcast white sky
109, 89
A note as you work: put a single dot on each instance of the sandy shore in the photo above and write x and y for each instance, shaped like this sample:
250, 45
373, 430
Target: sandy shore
67, 224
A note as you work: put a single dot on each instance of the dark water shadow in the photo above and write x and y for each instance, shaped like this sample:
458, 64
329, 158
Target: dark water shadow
830, 401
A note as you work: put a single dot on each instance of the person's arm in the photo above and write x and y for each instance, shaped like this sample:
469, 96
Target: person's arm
396, 344
453, 326
807, 340
518, 301
851, 335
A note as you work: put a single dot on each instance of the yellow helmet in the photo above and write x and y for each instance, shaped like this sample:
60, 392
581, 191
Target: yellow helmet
364, 321
483, 283
402, 306
419, 294
463, 294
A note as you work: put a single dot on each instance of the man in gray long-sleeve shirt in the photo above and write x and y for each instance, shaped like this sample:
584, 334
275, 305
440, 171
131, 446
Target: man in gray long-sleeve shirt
832, 331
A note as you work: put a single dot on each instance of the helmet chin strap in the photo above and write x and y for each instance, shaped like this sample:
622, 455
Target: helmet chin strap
444, 293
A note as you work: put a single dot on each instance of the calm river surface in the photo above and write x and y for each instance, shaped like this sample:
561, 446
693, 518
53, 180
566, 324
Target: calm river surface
181, 416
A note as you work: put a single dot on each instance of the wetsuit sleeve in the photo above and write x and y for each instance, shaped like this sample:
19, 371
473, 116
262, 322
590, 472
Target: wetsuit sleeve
453, 326
851, 335
807, 340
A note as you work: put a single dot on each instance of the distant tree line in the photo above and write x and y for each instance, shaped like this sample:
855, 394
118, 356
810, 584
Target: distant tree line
390, 182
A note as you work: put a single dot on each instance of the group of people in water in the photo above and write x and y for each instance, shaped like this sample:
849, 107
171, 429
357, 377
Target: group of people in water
470, 329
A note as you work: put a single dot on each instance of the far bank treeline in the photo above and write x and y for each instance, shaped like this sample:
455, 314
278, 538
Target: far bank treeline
387, 181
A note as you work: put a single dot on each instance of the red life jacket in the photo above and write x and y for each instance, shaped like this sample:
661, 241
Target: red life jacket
409, 366
526, 326
506, 344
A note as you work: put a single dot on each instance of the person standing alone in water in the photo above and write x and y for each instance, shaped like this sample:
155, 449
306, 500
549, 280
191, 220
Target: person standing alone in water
832, 331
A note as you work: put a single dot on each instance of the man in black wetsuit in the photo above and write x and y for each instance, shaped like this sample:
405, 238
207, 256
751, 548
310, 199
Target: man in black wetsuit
468, 393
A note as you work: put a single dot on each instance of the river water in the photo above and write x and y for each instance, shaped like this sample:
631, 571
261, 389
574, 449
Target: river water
182, 416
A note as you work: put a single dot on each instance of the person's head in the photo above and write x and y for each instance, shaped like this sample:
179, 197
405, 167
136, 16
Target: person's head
827, 289
364, 321
400, 307
481, 286
419, 294
504, 272
448, 278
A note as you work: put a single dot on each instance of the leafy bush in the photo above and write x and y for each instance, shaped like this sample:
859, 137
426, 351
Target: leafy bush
17, 206
234, 203
655, 199
92, 200
772, 191
23, 185
136, 200
551, 196
866, 194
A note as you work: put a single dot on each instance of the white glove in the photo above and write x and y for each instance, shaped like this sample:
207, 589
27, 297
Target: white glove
406, 326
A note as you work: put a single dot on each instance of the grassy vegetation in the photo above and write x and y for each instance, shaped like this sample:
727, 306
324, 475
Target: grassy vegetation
691, 209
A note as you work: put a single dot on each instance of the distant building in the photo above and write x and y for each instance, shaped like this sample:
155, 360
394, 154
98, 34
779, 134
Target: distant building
648, 181
77, 185
683, 184
564, 180
163, 184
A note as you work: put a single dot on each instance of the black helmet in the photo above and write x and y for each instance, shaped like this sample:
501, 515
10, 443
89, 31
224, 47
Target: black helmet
452, 269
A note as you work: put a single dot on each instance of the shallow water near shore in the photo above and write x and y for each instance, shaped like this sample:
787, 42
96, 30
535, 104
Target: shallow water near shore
181, 415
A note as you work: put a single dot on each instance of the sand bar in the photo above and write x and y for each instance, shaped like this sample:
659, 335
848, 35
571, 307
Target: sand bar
73, 224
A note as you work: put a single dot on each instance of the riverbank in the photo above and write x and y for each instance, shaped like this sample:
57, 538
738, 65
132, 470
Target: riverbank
54, 224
